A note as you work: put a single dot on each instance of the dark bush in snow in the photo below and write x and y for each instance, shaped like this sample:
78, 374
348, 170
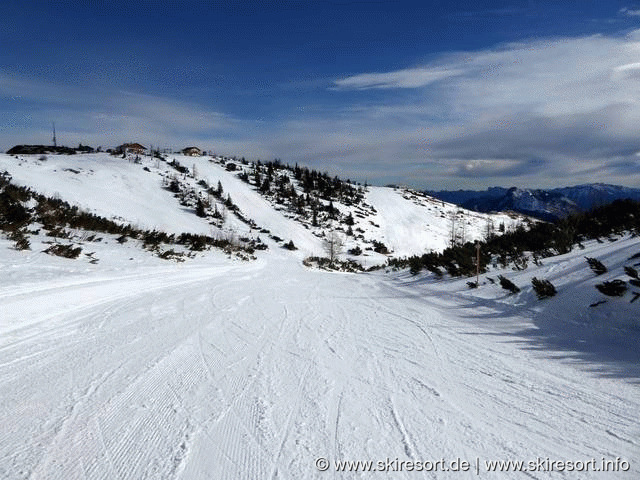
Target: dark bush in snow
66, 251
380, 247
326, 264
543, 288
174, 186
632, 272
177, 166
201, 208
22, 241
508, 284
614, 288
414, 265
596, 265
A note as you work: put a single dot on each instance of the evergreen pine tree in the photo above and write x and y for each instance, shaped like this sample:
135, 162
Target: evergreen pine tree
543, 288
200, 208
349, 220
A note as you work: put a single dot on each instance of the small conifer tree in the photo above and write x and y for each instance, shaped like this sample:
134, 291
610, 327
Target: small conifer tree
596, 265
508, 284
543, 288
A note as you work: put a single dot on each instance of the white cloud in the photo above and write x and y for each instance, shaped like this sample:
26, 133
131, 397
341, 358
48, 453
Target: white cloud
630, 12
542, 112
407, 78
545, 112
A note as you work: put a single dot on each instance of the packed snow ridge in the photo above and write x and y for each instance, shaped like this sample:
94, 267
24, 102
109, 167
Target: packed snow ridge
121, 364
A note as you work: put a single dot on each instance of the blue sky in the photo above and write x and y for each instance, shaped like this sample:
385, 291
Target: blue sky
440, 94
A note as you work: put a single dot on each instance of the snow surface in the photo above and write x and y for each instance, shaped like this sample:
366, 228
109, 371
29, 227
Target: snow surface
121, 189
412, 223
135, 367
227, 369
108, 186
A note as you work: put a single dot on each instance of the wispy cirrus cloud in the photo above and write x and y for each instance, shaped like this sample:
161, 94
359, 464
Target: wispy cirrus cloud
407, 78
630, 12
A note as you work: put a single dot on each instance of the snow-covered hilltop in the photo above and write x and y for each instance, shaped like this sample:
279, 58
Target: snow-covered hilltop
242, 199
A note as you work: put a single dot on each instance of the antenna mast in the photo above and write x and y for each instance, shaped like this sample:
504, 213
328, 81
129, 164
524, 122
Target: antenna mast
54, 134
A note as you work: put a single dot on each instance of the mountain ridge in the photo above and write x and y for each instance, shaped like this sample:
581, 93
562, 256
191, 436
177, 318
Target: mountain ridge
546, 204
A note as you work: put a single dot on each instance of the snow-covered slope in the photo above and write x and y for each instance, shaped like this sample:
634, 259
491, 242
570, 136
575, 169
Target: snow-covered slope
407, 222
252, 204
412, 223
108, 186
249, 370
135, 192
121, 365
580, 321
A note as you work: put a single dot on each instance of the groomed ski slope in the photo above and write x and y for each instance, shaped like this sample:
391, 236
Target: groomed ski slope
253, 370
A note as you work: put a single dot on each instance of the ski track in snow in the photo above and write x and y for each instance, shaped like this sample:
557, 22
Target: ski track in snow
228, 370
253, 372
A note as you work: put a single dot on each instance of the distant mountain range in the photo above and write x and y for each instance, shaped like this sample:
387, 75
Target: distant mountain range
544, 204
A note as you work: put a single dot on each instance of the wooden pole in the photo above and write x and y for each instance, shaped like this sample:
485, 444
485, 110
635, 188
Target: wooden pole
477, 263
